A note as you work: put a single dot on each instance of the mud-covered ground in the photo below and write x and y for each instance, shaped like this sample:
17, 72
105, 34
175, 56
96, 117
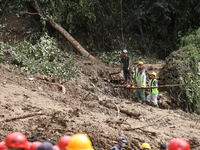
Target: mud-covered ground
56, 109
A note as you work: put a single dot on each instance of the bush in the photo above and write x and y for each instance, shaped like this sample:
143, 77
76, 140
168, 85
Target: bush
44, 57
182, 67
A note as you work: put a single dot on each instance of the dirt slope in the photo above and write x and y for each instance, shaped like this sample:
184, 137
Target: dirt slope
62, 114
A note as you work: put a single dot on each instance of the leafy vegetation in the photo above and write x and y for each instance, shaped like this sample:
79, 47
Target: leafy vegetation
100, 25
183, 64
44, 57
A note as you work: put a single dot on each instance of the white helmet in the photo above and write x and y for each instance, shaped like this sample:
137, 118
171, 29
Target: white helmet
125, 51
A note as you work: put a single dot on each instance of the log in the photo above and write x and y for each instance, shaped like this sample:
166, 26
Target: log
149, 87
74, 43
126, 111
114, 73
21, 117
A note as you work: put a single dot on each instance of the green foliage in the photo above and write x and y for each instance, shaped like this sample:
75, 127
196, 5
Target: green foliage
99, 22
44, 57
184, 64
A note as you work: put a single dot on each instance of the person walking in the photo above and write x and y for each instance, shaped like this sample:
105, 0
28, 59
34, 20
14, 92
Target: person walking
141, 83
126, 62
153, 92
121, 143
140, 64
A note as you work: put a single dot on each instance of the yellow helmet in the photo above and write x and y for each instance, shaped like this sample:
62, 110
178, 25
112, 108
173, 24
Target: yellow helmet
146, 145
133, 87
140, 63
153, 73
79, 142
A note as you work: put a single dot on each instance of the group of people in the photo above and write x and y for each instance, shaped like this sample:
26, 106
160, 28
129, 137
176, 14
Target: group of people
18, 141
139, 80
175, 144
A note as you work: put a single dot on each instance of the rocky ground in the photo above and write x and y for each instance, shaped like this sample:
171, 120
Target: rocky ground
45, 109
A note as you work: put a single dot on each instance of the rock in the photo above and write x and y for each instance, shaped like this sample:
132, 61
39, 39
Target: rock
91, 105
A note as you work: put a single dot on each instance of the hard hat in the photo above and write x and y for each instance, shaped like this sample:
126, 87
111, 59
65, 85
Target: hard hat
28, 145
178, 144
146, 145
63, 142
133, 87
2, 145
153, 73
122, 139
125, 51
45, 146
35, 145
55, 147
16, 140
140, 63
79, 142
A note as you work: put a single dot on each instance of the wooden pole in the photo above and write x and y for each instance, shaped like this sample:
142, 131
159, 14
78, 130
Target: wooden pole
74, 43
150, 87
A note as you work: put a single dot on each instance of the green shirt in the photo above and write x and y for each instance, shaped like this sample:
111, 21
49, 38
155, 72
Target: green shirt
125, 62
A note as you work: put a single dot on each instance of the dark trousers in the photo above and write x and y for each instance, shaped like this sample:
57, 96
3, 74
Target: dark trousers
127, 74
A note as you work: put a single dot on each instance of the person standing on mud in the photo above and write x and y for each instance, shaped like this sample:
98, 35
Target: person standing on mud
140, 64
141, 83
153, 92
126, 61
121, 143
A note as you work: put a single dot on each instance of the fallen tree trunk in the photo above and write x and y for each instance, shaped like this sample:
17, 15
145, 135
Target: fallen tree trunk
126, 111
74, 43
150, 87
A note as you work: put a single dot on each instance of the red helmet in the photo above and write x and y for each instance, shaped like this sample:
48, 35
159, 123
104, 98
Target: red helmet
55, 147
34, 145
28, 145
16, 140
63, 142
178, 144
2, 145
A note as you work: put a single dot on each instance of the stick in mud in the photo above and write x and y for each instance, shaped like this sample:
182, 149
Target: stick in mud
150, 87
22, 117
126, 111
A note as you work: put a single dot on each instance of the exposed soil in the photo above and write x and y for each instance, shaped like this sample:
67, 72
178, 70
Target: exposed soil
63, 115
64, 111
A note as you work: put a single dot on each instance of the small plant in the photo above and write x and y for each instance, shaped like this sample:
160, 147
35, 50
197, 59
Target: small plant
44, 57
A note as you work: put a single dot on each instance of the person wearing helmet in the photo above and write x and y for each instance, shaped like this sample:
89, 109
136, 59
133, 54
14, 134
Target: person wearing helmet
16, 140
35, 145
153, 92
126, 61
140, 64
146, 146
163, 147
121, 143
178, 144
79, 142
45, 146
63, 142
141, 83
2, 145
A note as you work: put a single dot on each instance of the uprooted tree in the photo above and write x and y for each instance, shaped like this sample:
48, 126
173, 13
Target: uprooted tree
75, 44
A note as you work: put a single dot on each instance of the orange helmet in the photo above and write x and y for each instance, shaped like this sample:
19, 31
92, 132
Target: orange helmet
2, 145
34, 145
178, 144
79, 142
16, 140
63, 142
